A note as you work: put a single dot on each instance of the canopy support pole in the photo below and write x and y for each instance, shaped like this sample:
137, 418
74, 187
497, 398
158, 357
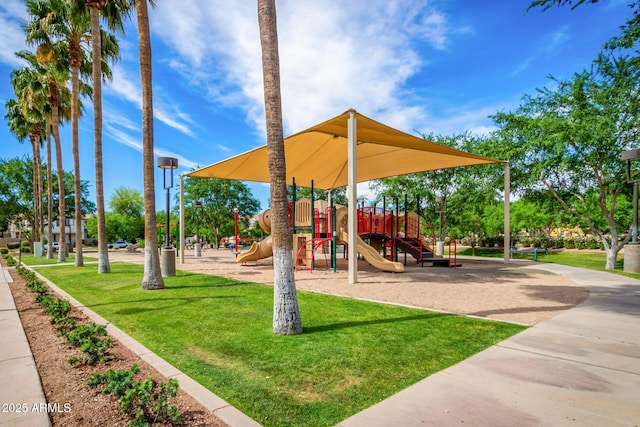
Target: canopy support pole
352, 196
507, 223
181, 225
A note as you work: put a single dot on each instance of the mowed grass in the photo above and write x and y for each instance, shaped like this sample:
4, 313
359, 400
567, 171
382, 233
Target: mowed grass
351, 355
30, 259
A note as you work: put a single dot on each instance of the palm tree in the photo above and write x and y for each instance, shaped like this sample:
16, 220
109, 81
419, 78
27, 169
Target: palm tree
54, 75
53, 56
49, 188
152, 277
30, 85
113, 13
31, 105
24, 123
57, 21
286, 313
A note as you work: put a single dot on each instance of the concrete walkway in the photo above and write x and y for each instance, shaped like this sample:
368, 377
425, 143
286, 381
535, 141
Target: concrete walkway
21, 393
581, 368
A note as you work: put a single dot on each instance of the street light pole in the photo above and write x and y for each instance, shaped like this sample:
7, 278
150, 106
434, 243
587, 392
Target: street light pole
168, 253
632, 249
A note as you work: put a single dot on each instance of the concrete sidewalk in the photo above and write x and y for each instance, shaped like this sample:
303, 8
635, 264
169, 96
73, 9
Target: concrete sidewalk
581, 368
21, 393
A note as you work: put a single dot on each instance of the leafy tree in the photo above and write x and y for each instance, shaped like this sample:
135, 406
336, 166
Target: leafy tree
467, 191
16, 191
127, 201
219, 198
118, 226
126, 220
286, 313
568, 140
339, 195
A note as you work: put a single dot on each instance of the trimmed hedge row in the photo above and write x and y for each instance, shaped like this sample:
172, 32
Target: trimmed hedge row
578, 242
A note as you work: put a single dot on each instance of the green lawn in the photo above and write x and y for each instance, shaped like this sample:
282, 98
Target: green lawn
29, 259
351, 355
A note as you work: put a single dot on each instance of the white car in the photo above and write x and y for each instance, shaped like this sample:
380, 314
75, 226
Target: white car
56, 246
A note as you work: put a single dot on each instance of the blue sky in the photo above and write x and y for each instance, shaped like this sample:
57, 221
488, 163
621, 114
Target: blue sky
433, 66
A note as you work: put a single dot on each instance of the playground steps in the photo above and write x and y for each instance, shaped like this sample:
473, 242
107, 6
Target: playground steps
307, 252
421, 253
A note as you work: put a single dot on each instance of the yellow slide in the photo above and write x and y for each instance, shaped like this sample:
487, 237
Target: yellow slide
373, 257
258, 250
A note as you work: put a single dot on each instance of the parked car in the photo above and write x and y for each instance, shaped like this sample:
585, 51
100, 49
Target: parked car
55, 245
119, 244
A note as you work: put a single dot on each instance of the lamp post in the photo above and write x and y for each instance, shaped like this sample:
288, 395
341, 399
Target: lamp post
632, 249
235, 221
168, 253
197, 249
441, 208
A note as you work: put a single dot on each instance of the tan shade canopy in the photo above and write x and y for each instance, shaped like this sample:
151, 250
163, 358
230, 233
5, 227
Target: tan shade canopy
320, 154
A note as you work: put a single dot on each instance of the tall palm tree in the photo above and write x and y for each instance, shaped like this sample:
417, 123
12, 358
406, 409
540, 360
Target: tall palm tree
49, 188
29, 109
30, 84
54, 75
286, 313
24, 123
31, 103
58, 21
113, 11
152, 277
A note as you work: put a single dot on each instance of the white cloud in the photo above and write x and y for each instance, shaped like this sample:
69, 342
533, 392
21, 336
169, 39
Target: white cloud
555, 40
124, 86
12, 13
334, 55
135, 143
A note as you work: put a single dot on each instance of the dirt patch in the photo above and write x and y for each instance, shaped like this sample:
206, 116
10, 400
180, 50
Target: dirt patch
515, 292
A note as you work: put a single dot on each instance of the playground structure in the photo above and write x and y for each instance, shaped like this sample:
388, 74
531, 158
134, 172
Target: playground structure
318, 229
343, 151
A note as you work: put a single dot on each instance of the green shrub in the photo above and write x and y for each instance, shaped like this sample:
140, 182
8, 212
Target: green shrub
14, 245
4, 251
147, 402
93, 341
116, 382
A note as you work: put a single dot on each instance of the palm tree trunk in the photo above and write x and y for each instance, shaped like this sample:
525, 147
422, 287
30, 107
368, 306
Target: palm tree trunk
286, 313
34, 172
49, 192
152, 277
62, 251
38, 190
75, 113
96, 49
